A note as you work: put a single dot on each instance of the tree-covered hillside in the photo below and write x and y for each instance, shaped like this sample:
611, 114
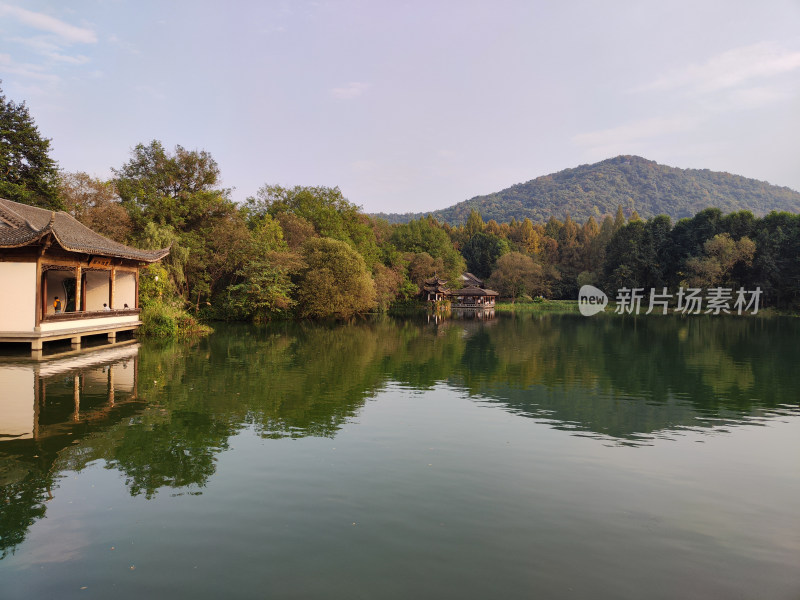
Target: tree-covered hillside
628, 181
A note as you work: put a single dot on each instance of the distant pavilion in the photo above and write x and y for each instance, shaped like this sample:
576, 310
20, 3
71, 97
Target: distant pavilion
46, 254
472, 296
435, 289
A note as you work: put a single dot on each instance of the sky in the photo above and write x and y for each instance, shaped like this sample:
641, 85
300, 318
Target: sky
410, 106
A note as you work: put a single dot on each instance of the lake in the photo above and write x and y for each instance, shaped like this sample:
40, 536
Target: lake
524, 456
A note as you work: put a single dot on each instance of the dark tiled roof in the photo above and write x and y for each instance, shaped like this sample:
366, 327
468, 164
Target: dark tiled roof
23, 225
474, 291
470, 279
436, 289
435, 281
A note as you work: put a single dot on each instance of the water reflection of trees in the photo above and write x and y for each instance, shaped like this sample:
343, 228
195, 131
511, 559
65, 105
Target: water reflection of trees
622, 379
628, 377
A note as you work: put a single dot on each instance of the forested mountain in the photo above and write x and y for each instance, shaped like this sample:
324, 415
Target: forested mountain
632, 182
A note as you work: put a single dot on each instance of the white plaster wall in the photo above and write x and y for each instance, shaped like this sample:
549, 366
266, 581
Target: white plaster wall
86, 324
125, 290
17, 296
97, 286
17, 401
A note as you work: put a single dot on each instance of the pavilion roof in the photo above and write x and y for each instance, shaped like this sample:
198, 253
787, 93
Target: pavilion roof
472, 290
435, 280
470, 279
441, 289
22, 225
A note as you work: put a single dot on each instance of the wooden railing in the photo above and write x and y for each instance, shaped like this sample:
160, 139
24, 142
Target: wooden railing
467, 304
91, 314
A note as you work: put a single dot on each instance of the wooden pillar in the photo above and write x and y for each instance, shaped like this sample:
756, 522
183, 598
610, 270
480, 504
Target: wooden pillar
83, 292
38, 302
113, 276
44, 294
78, 291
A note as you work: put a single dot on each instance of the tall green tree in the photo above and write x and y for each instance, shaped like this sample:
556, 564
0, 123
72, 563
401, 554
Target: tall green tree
424, 236
179, 189
331, 214
178, 195
482, 251
27, 172
335, 282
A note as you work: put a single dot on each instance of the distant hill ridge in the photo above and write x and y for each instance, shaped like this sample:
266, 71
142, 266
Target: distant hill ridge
632, 182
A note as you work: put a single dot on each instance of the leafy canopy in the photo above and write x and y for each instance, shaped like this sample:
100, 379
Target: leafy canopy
180, 190
336, 282
27, 173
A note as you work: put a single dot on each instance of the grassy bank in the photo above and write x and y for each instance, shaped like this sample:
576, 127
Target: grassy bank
164, 320
546, 306
571, 306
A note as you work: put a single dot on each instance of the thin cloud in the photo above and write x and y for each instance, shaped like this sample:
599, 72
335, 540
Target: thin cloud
730, 69
30, 71
50, 50
635, 131
354, 89
78, 59
42, 22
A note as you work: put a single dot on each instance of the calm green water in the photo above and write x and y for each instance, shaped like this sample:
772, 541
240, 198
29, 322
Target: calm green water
552, 457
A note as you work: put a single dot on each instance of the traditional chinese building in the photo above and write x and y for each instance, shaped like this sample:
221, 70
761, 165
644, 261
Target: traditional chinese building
468, 279
435, 289
61, 280
472, 297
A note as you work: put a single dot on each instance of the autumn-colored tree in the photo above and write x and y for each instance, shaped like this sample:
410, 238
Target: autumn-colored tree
720, 254
422, 266
95, 203
474, 223
515, 275
527, 238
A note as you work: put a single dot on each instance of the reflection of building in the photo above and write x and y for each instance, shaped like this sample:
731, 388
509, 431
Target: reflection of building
48, 398
480, 314
61, 280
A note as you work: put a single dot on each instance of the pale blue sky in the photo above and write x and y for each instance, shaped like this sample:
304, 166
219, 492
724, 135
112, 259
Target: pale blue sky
411, 106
